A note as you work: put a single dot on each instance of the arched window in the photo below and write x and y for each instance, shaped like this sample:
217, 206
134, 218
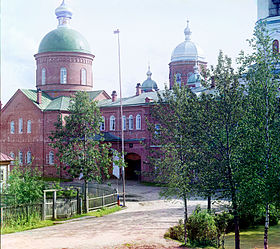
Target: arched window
102, 124
124, 123
83, 76
28, 126
138, 122
43, 76
51, 158
63, 75
178, 79
112, 123
12, 155
20, 157
20, 125
275, 46
28, 157
130, 122
12, 127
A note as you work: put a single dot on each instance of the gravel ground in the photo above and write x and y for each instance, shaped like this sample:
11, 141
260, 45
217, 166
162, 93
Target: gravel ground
141, 225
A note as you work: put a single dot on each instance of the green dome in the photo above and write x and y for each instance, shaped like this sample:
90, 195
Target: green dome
64, 40
149, 85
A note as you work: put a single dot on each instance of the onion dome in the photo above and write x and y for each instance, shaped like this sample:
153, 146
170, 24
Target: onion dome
149, 84
64, 39
195, 78
187, 50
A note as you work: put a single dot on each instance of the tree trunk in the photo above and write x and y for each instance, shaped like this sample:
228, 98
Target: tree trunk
186, 218
85, 197
209, 203
266, 227
236, 225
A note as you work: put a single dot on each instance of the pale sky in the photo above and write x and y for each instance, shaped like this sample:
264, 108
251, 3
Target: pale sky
149, 31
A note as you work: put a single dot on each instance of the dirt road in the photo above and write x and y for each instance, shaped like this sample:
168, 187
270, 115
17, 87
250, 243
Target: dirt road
141, 223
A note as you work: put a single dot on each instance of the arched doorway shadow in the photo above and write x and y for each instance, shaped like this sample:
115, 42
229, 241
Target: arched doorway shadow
133, 169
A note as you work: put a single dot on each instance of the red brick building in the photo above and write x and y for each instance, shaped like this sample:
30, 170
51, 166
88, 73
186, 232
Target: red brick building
64, 66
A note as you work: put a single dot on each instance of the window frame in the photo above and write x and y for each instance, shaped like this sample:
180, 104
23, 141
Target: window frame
112, 123
83, 76
20, 125
28, 157
12, 127
102, 124
63, 75
138, 122
51, 158
29, 127
43, 76
20, 157
123, 122
130, 122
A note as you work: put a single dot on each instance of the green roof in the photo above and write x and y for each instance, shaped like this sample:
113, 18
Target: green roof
130, 101
53, 104
60, 103
64, 40
32, 95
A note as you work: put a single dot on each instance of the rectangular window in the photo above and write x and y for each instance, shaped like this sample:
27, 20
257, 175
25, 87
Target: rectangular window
12, 128
29, 126
20, 157
124, 123
20, 126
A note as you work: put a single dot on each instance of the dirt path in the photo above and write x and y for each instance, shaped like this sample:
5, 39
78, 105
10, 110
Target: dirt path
140, 224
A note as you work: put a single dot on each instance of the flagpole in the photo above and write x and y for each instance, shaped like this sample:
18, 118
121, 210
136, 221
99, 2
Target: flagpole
122, 131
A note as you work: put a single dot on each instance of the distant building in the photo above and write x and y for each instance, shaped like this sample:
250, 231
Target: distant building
64, 66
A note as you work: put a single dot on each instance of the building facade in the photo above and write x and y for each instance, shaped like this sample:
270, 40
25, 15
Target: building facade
64, 66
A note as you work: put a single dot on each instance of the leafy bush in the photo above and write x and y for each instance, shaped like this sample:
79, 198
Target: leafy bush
176, 232
25, 185
202, 229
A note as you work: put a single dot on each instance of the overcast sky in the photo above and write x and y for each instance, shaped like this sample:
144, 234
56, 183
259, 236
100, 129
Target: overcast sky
150, 30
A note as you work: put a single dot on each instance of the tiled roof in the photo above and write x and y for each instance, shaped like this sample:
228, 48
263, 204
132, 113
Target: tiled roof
32, 95
4, 157
53, 104
60, 103
130, 101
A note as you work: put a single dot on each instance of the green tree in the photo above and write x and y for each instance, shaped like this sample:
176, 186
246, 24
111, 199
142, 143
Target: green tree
25, 185
219, 127
79, 143
262, 155
173, 159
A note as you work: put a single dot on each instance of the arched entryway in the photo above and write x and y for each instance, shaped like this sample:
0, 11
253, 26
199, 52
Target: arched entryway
133, 169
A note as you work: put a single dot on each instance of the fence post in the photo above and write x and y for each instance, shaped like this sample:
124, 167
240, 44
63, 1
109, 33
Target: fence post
27, 213
54, 205
103, 200
44, 206
2, 217
78, 202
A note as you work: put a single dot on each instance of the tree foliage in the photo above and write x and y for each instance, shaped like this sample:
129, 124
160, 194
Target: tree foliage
78, 140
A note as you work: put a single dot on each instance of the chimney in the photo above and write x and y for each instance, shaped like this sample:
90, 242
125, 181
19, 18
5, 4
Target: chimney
39, 96
148, 100
138, 89
213, 84
114, 96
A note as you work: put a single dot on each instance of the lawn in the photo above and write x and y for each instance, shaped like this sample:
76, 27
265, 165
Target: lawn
253, 238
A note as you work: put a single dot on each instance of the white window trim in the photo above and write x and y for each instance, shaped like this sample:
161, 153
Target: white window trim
102, 124
124, 123
130, 122
20, 157
43, 75
28, 157
51, 158
112, 123
63, 75
12, 127
83, 76
138, 122
20, 125
29, 128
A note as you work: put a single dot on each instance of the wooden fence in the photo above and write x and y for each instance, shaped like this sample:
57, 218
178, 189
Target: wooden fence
53, 208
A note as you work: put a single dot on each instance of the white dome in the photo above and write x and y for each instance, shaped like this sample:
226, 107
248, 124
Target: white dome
187, 50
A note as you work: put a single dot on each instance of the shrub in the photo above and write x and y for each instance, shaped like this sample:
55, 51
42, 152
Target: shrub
202, 230
176, 232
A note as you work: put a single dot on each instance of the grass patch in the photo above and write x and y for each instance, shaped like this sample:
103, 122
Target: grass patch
153, 184
27, 226
253, 238
38, 223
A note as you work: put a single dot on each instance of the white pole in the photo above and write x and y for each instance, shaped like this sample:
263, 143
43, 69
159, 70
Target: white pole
122, 132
